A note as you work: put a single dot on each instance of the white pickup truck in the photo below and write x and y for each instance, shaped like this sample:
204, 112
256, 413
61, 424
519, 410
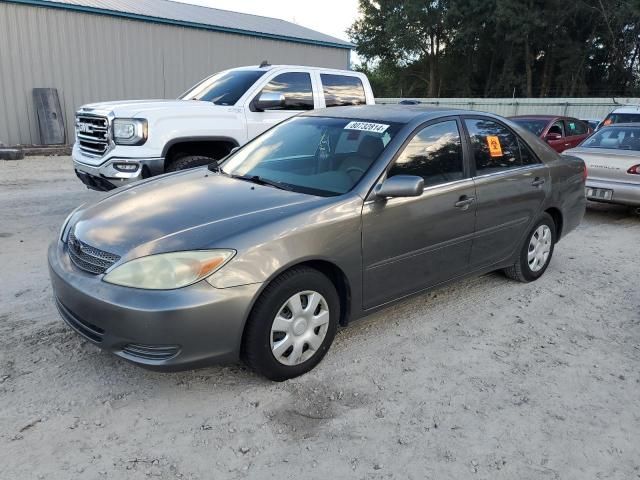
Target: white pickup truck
120, 142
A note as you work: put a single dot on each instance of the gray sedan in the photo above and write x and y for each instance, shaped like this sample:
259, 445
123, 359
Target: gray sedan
612, 156
327, 217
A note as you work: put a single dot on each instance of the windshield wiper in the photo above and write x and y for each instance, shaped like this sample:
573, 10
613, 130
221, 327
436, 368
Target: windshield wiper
262, 181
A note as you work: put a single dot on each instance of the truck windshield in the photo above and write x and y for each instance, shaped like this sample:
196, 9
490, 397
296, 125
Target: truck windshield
320, 156
224, 88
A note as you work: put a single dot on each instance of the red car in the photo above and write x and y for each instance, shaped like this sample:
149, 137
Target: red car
561, 133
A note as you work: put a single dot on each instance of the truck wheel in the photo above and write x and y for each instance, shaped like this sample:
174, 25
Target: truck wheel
292, 324
188, 161
536, 252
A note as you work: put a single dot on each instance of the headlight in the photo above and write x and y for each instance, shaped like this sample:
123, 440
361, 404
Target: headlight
130, 131
167, 271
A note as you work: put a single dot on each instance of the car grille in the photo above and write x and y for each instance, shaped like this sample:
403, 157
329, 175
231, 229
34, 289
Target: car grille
92, 134
88, 258
151, 352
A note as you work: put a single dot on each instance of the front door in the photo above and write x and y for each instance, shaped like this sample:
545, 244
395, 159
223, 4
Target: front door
560, 144
409, 244
296, 87
511, 185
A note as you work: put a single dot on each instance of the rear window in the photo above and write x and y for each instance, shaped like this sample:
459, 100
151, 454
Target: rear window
342, 90
614, 118
534, 126
616, 138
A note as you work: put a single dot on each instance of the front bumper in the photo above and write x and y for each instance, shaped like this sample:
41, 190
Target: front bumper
162, 330
623, 193
106, 176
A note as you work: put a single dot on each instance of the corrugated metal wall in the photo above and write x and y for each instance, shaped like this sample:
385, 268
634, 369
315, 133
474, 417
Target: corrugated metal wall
583, 108
91, 58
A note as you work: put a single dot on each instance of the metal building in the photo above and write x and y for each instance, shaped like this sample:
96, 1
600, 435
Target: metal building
97, 50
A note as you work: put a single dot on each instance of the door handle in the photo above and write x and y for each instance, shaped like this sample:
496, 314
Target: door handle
537, 182
464, 202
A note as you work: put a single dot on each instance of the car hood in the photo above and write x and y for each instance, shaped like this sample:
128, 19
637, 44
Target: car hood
146, 108
191, 210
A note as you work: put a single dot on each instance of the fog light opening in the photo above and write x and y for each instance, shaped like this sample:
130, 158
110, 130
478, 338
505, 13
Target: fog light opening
126, 167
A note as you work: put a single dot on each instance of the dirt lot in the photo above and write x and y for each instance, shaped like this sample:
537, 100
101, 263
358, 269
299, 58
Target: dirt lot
485, 379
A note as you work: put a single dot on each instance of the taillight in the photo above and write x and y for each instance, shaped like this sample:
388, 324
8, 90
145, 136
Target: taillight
635, 170
584, 172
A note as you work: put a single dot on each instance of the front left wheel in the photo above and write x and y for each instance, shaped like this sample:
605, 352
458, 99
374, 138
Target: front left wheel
292, 324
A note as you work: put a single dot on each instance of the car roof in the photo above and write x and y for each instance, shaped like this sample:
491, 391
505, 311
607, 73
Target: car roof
627, 109
390, 113
270, 67
537, 117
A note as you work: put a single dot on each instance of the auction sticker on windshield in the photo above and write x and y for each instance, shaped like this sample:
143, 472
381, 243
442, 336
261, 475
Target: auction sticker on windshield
367, 127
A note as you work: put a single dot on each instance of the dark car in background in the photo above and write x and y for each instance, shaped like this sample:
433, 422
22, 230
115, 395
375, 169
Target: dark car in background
561, 133
327, 217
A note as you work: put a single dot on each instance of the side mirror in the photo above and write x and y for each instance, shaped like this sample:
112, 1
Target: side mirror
270, 101
401, 186
552, 137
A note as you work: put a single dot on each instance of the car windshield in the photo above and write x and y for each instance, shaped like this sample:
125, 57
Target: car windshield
224, 88
534, 126
314, 155
614, 118
617, 138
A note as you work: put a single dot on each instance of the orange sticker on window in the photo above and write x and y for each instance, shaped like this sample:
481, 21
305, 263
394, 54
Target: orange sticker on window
495, 149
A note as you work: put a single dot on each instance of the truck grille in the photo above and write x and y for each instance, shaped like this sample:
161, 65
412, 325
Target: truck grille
88, 258
92, 134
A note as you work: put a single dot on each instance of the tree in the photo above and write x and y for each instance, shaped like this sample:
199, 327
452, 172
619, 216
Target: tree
502, 47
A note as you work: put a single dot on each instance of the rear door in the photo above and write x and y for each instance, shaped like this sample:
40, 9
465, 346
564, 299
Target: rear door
576, 132
297, 88
511, 185
409, 244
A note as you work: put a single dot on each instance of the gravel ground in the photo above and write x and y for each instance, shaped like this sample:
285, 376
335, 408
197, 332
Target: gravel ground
486, 379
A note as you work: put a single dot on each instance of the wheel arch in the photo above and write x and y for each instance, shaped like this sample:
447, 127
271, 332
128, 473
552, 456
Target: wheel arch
556, 215
216, 147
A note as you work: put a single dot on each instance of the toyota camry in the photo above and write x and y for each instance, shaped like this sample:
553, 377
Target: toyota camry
325, 218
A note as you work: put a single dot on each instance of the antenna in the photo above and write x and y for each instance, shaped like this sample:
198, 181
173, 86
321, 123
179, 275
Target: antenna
265, 63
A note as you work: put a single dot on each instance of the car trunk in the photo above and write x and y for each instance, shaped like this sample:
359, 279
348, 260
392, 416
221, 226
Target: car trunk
609, 164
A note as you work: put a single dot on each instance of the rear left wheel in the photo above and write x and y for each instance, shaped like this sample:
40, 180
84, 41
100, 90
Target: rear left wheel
292, 324
536, 252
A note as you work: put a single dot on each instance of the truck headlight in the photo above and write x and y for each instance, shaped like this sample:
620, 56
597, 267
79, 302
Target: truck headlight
168, 271
130, 131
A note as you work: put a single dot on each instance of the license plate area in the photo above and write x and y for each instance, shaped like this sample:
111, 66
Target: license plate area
599, 193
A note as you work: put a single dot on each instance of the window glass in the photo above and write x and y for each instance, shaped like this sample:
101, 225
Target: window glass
300, 154
495, 148
614, 118
296, 88
575, 127
534, 126
342, 90
528, 158
434, 153
557, 127
617, 138
224, 88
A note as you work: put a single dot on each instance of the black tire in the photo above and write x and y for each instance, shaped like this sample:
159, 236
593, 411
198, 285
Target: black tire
188, 161
521, 271
256, 343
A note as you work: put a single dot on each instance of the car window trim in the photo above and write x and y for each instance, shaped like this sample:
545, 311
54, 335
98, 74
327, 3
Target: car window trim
369, 197
472, 160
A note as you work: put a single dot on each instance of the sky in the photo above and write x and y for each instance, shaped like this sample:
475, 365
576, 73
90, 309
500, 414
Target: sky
331, 17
